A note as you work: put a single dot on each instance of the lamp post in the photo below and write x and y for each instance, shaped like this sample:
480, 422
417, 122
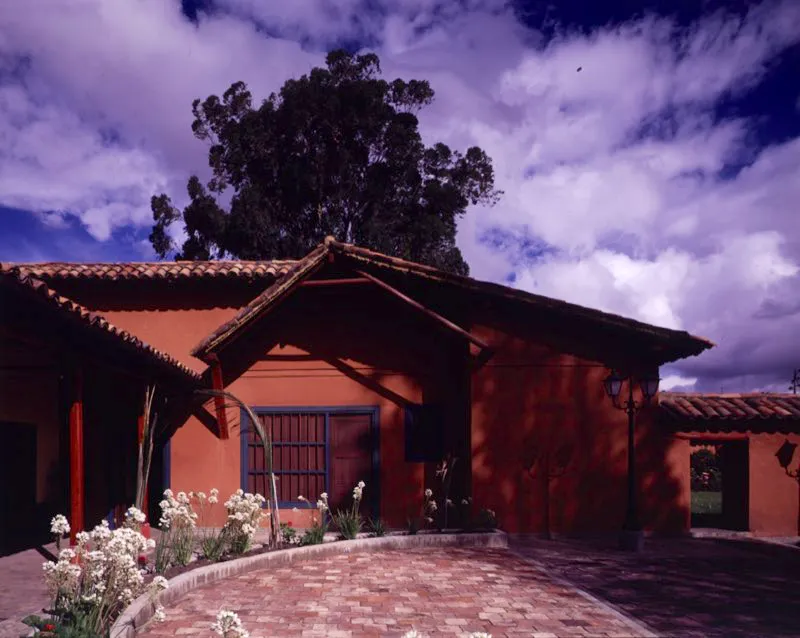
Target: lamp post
632, 536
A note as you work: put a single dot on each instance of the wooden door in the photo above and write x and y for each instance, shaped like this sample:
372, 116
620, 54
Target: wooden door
735, 485
351, 448
17, 487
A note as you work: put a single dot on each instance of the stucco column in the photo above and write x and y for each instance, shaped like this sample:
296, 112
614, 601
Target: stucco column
76, 466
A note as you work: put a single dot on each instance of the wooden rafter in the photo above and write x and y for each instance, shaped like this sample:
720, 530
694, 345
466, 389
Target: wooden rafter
335, 282
425, 310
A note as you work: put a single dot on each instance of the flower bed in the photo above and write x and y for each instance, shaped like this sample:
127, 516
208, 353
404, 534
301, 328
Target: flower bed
92, 583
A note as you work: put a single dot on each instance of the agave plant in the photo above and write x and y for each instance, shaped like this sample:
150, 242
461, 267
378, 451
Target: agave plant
275, 524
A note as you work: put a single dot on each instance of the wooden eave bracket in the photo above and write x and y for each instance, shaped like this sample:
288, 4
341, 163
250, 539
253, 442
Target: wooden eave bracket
208, 420
485, 351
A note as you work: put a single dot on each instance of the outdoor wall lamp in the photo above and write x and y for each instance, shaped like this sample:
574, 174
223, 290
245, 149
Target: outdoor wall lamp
632, 536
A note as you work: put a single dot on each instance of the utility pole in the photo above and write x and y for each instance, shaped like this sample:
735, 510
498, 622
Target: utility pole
795, 381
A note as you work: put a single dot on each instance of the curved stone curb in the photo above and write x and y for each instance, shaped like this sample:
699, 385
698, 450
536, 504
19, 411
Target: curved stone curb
142, 609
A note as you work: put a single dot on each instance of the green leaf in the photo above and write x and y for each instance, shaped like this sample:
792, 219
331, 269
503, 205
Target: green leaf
335, 152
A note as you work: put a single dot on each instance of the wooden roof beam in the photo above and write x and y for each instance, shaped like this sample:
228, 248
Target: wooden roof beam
334, 282
426, 311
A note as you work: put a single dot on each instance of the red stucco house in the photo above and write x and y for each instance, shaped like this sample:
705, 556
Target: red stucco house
362, 367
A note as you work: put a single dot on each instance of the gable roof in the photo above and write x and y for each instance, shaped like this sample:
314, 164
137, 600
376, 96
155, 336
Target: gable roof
257, 306
679, 344
704, 408
160, 270
497, 290
92, 321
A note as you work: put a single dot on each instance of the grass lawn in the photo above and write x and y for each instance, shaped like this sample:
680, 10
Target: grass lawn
706, 502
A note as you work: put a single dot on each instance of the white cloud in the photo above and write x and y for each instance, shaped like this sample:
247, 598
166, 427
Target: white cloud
676, 383
51, 163
129, 68
616, 166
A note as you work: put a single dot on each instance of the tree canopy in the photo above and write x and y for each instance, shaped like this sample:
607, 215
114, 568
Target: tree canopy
336, 152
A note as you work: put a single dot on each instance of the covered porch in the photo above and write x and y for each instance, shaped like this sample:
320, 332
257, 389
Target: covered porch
72, 390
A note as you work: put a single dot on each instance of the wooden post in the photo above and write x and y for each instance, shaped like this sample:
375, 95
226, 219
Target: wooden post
140, 439
76, 468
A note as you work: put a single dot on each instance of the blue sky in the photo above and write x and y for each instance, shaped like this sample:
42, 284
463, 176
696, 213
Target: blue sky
659, 182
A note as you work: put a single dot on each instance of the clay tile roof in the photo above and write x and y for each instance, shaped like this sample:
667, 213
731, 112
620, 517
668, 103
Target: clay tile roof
93, 320
680, 406
166, 270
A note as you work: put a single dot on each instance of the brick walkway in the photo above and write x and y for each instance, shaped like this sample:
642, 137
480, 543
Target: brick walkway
22, 590
437, 592
688, 588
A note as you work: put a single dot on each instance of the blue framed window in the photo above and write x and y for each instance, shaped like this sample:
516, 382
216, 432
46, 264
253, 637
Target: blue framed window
299, 455
303, 459
424, 433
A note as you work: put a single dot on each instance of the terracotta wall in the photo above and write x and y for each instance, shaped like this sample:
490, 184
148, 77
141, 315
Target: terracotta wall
531, 402
357, 348
774, 496
173, 319
375, 351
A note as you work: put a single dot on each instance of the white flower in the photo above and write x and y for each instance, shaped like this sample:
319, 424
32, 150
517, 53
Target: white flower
177, 512
59, 526
63, 577
134, 517
102, 571
229, 625
245, 514
160, 583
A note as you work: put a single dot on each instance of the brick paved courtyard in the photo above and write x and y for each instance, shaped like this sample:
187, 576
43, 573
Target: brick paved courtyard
450, 591
682, 587
687, 588
22, 590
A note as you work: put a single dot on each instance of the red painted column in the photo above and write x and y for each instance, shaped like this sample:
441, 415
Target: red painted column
76, 467
219, 402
